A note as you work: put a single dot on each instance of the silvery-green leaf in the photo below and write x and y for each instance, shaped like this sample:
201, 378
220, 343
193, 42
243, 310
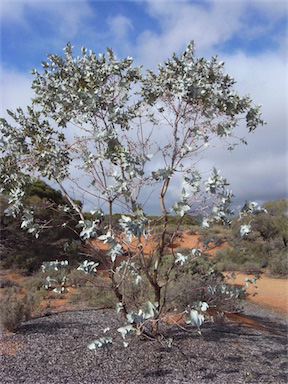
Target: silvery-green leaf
150, 310
91, 346
138, 279
180, 259
195, 318
204, 306
102, 237
170, 342
101, 342
119, 307
196, 252
245, 229
124, 330
205, 223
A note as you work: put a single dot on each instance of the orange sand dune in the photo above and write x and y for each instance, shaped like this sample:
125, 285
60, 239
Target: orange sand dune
149, 245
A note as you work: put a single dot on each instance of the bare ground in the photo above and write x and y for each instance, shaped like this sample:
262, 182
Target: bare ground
53, 349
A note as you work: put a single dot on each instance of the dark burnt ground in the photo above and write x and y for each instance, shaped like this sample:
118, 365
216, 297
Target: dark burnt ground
54, 350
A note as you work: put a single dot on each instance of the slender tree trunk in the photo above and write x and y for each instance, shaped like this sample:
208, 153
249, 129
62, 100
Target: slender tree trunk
156, 286
117, 292
110, 214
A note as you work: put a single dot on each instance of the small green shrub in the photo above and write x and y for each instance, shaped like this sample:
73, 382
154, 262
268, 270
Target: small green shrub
167, 237
194, 284
14, 308
35, 282
216, 235
184, 250
193, 231
190, 283
79, 278
12, 313
95, 296
278, 266
30, 302
157, 229
12, 291
136, 295
250, 268
229, 255
227, 266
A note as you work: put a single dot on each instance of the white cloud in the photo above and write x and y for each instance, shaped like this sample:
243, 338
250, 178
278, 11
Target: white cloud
272, 9
15, 90
119, 26
182, 22
259, 170
11, 11
66, 16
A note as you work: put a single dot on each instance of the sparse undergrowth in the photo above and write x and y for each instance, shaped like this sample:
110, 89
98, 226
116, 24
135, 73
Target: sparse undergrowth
16, 308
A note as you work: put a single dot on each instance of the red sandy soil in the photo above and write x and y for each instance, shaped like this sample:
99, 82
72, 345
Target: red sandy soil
192, 241
271, 293
8, 347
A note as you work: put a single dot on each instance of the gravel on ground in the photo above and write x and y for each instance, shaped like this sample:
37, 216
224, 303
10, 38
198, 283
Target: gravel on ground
53, 350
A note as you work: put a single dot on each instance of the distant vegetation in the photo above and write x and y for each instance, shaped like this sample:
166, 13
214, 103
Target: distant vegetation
265, 247
21, 250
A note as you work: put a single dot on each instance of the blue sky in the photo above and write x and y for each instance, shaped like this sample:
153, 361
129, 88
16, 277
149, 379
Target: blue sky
250, 36
32, 28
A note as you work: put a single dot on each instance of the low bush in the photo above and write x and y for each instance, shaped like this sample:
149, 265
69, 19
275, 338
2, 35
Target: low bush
278, 265
249, 256
15, 309
193, 231
79, 279
12, 312
35, 282
250, 267
13, 290
215, 235
266, 246
198, 279
100, 295
184, 250
231, 256
30, 303
167, 238
227, 266
137, 294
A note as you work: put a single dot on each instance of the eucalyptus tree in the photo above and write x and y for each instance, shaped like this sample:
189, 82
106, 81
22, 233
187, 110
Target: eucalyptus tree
114, 133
